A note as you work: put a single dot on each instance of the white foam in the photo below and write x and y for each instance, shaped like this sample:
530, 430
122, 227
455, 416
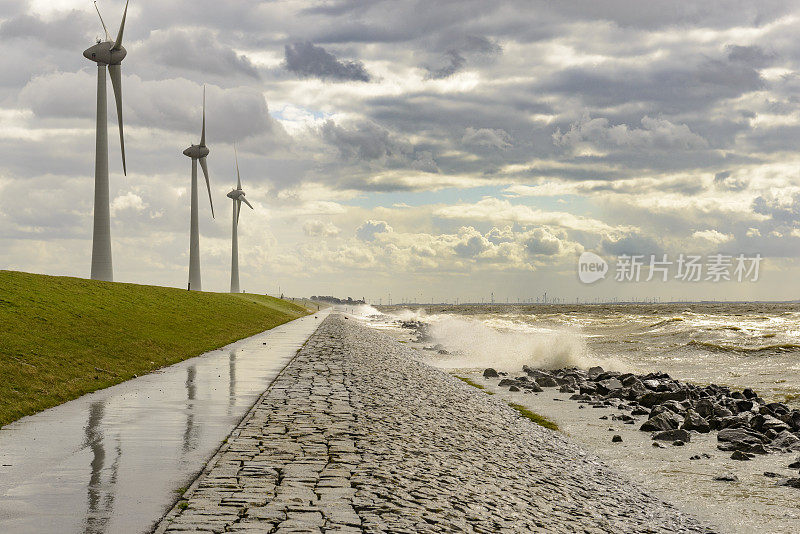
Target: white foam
475, 343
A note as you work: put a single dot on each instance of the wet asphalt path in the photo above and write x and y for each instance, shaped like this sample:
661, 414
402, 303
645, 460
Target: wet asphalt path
113, 461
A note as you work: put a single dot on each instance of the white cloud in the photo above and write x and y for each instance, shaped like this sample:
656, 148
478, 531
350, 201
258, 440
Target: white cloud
317, 228
128, 201
712, 236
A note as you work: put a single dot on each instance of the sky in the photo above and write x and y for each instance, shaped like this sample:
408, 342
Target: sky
424, 150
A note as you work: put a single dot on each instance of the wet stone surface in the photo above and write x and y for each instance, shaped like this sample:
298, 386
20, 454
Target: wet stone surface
355, 435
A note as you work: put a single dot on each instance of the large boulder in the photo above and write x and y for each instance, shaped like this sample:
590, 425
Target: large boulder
604, 387
740, 434
763, 423
657, 397
673, 435
694, 421
594, 372
663, 421
786, 441
490, 373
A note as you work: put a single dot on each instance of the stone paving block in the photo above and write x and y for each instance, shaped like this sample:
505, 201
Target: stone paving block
357, 435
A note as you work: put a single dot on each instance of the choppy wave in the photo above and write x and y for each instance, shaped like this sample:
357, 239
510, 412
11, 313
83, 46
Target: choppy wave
666, 322
738, 349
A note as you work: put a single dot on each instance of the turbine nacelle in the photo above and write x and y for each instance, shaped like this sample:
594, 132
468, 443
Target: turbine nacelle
105, 53
236, 194
196, 151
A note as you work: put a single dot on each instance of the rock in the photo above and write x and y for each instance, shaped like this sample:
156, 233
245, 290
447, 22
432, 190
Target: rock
594, 372
694, 421
795, 464
532, 387
785, 441
695, 457
673, 435
658, 445
513, 389
740, 434
566, 389
490, 373
727, 477
770, 474
640, 411
741, 456
651, 384
705, 408
653, 398
608, 385
507, 382
616, 438
546, 381
662, 421
678, 443
734, 421
790, 482
749, 393
763, 423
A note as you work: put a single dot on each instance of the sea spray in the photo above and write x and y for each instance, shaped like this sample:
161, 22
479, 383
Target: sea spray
475, 343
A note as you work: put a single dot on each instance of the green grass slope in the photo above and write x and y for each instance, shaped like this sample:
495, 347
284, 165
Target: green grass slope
63, 337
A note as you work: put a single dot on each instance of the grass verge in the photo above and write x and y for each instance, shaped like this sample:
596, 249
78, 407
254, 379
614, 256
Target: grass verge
62, 337
474, 384
535, 417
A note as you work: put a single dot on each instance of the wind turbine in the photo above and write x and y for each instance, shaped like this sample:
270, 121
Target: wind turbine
197, 153
109, 54
237, 195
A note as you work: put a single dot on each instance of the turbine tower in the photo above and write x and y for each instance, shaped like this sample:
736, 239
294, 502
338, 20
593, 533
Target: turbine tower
197, 153
237, 195
108, 55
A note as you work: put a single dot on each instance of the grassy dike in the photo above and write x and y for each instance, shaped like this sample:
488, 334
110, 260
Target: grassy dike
61, 337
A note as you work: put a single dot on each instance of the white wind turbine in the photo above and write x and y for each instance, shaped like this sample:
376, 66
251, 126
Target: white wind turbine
237, 195
197, 152
107, 54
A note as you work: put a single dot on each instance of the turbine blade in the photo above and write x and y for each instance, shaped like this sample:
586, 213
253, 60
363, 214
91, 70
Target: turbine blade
246, 202
238, 178
204, 165
118, 44
237, 205
108, 36
116, 81
203, 134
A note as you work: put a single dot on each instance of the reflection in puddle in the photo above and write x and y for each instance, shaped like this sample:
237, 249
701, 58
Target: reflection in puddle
231, 380
190, 433
100, 497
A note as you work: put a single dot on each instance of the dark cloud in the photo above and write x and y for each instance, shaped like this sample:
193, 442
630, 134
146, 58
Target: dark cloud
753, 56
196, 49
671, 87
455, 62
308, 60
68, 30
365, 140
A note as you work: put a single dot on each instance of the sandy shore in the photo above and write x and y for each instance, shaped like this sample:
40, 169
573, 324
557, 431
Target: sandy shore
356, 435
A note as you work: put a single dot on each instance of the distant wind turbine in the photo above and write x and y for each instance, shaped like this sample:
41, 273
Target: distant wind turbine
109, 54
197, 152
237, 195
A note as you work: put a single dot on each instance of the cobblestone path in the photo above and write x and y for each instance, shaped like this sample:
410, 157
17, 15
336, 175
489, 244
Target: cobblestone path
356, 435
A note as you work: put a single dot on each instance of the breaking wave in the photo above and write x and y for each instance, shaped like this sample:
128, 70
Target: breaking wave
474, 343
